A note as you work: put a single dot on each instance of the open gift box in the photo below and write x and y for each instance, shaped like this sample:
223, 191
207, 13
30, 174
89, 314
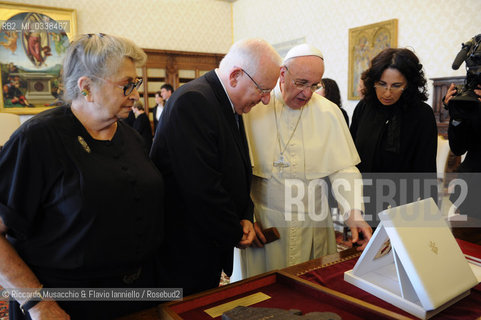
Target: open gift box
285, 291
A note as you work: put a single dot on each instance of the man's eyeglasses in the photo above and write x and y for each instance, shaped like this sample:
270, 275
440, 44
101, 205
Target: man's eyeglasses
128, 88
262, 91
395, 88
301, 84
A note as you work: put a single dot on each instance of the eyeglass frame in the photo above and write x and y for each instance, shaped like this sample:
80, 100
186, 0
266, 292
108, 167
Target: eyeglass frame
385, 87
100, 35
134, 85
262, 91
313, 87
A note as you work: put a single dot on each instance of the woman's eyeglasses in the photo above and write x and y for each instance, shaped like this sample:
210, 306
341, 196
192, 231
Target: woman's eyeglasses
395, 88
128, 88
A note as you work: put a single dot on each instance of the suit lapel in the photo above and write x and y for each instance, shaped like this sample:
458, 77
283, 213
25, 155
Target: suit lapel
243, 137
238, 133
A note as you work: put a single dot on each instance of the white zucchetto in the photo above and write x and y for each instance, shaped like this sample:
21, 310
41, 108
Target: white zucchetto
302, 50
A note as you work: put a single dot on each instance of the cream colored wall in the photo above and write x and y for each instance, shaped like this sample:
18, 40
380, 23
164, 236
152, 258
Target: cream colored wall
186, 25
435, 29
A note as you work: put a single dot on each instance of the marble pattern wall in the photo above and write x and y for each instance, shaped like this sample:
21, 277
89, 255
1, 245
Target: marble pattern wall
435, 29
186, 25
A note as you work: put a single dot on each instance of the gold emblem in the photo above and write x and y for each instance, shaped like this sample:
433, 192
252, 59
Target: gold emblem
433, 247
84, 144
385, 249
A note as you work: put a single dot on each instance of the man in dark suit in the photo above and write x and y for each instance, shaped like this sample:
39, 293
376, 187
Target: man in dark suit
201, 149
464, 132
161, 98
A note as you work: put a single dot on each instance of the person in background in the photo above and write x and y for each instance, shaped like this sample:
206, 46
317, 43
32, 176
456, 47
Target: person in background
297, 140
81, 204
201, 149
130, 118
464, 133
330, 90
166, 91
157, 110
394, 129
142, 124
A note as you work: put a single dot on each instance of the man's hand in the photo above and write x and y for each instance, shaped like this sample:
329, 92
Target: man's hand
449, 95
357, 224
248, 236
478, 91
259, 239
452, 92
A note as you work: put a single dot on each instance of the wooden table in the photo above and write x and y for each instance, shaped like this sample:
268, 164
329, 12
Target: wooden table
303, 277
190, 307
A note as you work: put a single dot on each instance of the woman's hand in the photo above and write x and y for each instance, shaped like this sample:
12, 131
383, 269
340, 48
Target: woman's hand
48, 310
15, 273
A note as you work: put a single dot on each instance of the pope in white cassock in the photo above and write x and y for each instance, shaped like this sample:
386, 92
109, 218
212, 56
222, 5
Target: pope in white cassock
295, 141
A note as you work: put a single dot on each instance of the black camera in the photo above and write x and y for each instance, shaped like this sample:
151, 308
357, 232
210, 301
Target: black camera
466, 100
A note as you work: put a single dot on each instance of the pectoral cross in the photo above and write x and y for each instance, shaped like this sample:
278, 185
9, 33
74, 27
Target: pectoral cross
433, 247
281, 163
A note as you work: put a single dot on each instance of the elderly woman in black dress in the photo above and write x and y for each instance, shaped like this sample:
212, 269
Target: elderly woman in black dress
80, 201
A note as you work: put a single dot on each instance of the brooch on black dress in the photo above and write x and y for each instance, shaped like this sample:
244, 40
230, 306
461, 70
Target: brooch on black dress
84, 144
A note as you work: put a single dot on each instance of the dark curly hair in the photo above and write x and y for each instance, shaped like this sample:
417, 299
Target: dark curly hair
407, 63
332, 91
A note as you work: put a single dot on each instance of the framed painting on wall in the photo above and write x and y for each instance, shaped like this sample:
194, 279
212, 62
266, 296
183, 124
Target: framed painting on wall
33, 42
364, 44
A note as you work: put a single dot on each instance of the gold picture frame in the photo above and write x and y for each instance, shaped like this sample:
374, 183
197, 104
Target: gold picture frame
33, 41
365, 43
